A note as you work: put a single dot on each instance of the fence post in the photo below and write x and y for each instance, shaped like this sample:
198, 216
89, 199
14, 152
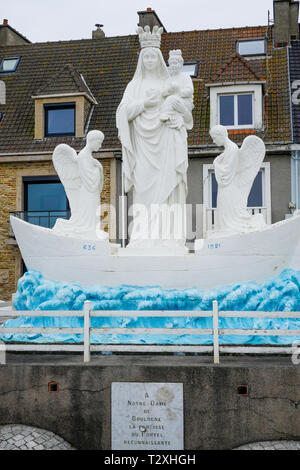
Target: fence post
216, 332
86, 330
2, 353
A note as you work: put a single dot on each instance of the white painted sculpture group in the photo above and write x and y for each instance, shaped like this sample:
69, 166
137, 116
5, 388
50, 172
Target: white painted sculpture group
152, 119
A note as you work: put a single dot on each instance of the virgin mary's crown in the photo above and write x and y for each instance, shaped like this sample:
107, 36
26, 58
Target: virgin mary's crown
148, 39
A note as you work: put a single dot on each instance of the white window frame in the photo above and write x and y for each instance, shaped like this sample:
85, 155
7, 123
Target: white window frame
257, 104
208, 169
295, 178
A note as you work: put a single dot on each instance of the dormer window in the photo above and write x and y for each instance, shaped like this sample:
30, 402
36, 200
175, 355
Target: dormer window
63, 105
236, 106
251, 47
59, 119
9, 64
236, 96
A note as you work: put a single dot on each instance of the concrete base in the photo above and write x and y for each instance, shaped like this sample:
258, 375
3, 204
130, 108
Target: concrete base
216, 416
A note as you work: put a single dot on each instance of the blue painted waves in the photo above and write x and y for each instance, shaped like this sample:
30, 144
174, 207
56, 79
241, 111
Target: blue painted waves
281, 293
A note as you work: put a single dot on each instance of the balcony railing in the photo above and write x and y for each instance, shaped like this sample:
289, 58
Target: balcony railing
45, 219
209, 217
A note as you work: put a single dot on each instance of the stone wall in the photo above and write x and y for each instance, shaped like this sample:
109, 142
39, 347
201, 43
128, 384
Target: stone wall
11, 199
216, 414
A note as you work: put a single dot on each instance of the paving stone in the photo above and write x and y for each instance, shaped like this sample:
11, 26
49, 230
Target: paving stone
19, 437
31, 444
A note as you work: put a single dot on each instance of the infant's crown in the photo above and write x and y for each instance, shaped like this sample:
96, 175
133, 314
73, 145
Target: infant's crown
175, 53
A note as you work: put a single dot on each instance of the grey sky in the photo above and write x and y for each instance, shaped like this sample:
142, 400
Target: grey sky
55, 20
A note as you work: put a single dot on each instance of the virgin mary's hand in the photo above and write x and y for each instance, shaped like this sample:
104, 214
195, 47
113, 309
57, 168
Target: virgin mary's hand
152, 98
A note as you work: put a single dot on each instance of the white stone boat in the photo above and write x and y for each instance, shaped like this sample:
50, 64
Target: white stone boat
254, 256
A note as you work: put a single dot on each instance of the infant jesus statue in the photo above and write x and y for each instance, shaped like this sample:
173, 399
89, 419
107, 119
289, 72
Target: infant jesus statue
179, 86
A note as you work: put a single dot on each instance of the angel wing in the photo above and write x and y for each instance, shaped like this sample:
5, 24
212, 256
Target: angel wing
65, 163
251, 155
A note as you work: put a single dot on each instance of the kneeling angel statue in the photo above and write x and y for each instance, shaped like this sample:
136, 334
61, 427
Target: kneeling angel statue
82, 178
235, 171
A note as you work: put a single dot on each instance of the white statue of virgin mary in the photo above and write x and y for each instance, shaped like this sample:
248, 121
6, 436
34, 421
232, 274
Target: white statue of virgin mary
154, 152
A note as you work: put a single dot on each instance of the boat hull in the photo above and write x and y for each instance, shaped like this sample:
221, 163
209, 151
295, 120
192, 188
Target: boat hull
254, 256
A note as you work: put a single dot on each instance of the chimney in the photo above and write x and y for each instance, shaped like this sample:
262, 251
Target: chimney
285, 22
150, 18
98, 33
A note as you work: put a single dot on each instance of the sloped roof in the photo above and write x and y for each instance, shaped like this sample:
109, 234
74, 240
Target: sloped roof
294, 62
66, 80
236, 69
108, 64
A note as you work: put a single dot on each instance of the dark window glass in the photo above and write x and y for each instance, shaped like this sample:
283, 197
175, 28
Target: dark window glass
227, 110
245, 110
46, 197
255, 198
44, 202
214, 190
59, 120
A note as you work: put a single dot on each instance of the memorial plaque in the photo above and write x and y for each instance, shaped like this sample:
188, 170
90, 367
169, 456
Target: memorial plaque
147, 416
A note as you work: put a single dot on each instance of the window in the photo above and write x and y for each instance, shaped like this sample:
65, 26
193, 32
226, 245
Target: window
9, 64
59, 119
237, 106
252, 47
44, 200
236, 110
